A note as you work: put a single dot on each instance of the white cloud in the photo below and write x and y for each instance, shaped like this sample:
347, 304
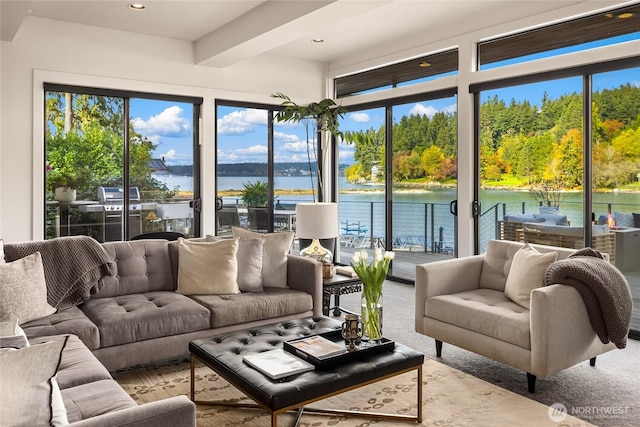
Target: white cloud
421, 110
243, 121
168, 123
450, 108
170, 154
288, 137
360, 117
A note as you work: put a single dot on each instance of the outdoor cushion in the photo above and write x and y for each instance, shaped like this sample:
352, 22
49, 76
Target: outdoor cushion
486, 311
138, 317
248, 307
70, 321
624, 219
558, 219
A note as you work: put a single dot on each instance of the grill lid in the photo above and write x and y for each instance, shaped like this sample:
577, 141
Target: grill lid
116, 194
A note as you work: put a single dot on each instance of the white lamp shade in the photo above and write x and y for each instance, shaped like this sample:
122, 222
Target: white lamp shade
317, 220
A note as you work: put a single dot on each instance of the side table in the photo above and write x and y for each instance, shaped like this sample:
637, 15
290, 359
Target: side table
336, 286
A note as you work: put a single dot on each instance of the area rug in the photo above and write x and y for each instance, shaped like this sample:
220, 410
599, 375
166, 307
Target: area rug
450, 398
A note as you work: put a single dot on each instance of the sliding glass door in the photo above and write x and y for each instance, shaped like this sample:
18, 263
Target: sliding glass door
615, 147
118, 164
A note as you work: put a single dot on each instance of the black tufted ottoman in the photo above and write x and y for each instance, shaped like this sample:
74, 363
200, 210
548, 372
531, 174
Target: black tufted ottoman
223, 353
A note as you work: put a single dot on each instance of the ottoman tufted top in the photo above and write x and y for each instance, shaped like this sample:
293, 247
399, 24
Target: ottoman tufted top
223, 353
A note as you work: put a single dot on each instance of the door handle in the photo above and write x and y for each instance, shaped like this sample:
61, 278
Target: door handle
453, 208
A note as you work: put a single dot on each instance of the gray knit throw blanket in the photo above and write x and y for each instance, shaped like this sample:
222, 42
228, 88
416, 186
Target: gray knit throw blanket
603, 288
73, 267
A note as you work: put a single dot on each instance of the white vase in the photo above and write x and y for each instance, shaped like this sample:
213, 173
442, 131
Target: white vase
65, 194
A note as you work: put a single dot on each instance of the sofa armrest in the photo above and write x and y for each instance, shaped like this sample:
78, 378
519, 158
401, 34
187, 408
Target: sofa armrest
445, 277
561, 332
305, 274
176, 411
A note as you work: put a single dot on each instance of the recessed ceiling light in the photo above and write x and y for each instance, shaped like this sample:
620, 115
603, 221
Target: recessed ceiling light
318, 40
625, 15
137, 6
425, 64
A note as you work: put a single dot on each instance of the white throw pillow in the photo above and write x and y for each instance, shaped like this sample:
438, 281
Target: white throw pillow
207, 268
24, 290
28, 387
527, 273
2, 261
274, 261
12, 335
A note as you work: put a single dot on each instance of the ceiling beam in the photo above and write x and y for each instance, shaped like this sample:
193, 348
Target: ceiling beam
270, 25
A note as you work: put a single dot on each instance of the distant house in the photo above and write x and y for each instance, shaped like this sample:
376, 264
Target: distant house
158, 167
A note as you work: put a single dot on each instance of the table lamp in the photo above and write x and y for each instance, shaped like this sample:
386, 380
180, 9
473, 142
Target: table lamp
317, 221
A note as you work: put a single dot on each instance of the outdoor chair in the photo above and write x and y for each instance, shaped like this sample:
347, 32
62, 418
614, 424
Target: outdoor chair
227, 217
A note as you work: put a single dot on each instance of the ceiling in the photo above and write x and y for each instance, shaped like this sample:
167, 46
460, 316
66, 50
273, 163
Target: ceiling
224, 32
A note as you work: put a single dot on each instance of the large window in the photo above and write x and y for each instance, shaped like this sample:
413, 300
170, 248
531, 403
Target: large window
397, 188
553, 175
118, 164
263, 168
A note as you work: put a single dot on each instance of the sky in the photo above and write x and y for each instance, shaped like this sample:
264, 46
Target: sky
242, 132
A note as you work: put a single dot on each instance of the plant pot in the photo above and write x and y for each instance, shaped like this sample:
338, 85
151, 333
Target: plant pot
65, 194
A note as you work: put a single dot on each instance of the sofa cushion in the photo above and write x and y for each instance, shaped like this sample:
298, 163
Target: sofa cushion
485, 311
95, 398
526, 273
246, 307
70, 321
138, 317
27, 386
208, 267
78, 365
274, 261
140, 266
23, 290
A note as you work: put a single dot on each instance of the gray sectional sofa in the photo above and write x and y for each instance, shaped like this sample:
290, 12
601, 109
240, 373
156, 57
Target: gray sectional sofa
137, 317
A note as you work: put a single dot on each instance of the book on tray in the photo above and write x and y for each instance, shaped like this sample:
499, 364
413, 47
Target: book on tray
346, 270
318, 347
277, 363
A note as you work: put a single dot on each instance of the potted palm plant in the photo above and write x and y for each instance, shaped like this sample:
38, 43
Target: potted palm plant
321, 117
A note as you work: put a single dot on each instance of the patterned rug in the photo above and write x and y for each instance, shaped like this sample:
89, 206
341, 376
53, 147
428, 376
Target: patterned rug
450, 398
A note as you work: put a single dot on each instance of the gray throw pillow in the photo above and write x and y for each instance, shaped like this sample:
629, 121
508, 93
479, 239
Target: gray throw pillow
250, 255
274, 260
28, 383
24, 290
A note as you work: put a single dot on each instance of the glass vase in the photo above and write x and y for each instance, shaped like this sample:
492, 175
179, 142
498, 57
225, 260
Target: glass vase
371, 317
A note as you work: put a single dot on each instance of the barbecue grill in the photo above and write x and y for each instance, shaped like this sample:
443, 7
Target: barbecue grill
110, 205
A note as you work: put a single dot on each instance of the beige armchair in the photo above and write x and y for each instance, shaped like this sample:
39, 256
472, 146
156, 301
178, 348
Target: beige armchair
462, 302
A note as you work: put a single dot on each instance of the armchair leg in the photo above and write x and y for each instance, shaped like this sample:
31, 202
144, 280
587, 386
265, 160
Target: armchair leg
592, 361
531, 382
438, 348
